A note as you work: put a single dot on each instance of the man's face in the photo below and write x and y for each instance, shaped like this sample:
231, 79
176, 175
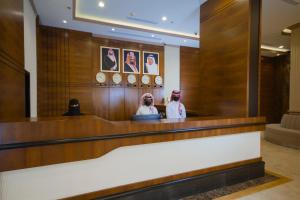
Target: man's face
150, 61
132, 58
110, 52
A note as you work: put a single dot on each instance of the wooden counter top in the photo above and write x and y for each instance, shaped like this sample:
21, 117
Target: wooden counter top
44, 141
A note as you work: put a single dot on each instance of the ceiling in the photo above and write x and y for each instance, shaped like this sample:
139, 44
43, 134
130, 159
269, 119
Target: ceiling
140, 20
277, 15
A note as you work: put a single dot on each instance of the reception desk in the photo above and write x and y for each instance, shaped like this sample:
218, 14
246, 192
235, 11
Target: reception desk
87, 157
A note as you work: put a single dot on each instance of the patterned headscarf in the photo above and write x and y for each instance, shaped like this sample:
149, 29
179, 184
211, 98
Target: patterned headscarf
176, 93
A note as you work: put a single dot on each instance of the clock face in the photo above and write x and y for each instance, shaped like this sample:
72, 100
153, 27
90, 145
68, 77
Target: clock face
158, 80
131, 78
100, 77
117, 78
145, 79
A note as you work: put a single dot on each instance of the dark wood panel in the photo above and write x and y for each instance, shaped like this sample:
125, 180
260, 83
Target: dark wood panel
12, 74
56, 140
69, 60
190, 71
101, 100
12, 98
116, 104
225, 54
85, 97
190, 78
274, 87
12, 31
132, 102
80, 57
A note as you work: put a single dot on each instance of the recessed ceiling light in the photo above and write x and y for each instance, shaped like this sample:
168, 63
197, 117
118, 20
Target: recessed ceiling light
101, 4
281, 47
113, 29
164, 18
286, 30
152, 35
271, 48
64, 21
184, 40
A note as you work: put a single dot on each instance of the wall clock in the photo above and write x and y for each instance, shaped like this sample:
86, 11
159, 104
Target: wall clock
117, 78
100, 77
145, 79
158, 80
131, 79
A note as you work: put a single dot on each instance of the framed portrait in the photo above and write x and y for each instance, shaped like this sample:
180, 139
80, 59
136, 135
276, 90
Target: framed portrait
150, 63
131, 61
109, 59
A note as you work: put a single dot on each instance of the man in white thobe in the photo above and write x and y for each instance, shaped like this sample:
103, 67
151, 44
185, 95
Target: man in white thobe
175, 109
147, 105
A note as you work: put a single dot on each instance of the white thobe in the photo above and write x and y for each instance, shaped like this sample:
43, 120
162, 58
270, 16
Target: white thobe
146, 110
175, 110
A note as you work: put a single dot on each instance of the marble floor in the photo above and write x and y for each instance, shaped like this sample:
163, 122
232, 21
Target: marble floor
286, 162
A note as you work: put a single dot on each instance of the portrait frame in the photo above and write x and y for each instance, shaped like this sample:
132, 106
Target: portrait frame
103, 52
156, 58
137, 54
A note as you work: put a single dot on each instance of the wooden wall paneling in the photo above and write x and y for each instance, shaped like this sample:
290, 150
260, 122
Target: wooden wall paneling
267, 89
131, 102
274, 87
42, 71
190, 78
80, 54
225, 57
60, 139
71, 60
101, 101
116, 104
85, 97
12, 31
282, 86
12, 92
12, 74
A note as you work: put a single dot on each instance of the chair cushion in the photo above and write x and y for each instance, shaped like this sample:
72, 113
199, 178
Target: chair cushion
290, 121
286, 137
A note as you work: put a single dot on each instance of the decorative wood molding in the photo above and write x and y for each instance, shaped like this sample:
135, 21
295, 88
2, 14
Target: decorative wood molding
54, 140
119, 136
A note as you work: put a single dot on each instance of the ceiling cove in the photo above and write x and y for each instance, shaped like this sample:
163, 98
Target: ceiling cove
80, 15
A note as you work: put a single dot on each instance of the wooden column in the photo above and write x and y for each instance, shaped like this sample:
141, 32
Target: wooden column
229, 63
12, 74
295, 71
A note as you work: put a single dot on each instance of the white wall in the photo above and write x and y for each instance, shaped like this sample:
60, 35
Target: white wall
30, 53
172, 70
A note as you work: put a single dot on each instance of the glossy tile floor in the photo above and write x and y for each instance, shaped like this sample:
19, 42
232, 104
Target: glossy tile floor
286, 162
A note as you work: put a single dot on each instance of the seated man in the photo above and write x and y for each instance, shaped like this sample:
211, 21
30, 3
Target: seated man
147, 105
175, 109
74, 108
